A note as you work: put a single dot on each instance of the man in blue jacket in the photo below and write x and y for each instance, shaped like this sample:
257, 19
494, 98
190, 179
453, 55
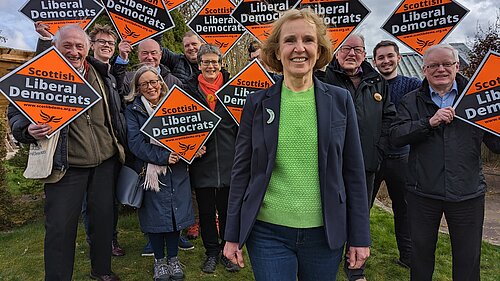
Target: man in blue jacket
392, 170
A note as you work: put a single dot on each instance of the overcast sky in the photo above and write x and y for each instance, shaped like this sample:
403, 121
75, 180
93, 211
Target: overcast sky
19, 30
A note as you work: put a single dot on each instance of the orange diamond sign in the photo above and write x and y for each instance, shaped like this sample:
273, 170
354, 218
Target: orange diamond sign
420, 24
181, 124
173, 4
214, 24
234, 93
137, 20
59, 13
479, 104
48, 90
341, 17
257, 16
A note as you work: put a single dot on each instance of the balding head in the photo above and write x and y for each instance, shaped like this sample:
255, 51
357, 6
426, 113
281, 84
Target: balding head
351, 54
73, 43
149, 52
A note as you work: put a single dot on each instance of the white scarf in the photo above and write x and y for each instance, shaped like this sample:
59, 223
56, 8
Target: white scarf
151, 180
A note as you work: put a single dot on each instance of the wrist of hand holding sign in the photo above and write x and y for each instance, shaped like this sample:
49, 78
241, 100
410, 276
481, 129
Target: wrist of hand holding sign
39, 131
443, 115
42, 29
173, 158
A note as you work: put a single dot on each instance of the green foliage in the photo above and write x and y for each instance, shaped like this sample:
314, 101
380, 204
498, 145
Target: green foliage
21, 157
172, 39
20, 199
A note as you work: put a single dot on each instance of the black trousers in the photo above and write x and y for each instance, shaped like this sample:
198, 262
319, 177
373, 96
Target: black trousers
63, 202
465, 224
212, 201
393, 171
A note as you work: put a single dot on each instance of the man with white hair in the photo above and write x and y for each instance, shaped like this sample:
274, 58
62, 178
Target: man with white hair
445, 172
87, 153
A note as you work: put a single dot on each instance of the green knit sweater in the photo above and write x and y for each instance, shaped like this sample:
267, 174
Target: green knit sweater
293, 197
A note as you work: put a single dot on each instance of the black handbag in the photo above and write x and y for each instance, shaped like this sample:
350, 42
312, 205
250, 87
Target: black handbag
129, 189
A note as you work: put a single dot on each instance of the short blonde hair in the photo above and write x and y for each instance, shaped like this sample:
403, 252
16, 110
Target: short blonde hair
134, 84
272, 44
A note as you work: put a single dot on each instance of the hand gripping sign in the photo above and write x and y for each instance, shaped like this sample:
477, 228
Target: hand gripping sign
137, 20
173, 4
48, 90
420, 24
341, 17
57, 13
215, 25
181, 124
234, 93
257, 16
479, 104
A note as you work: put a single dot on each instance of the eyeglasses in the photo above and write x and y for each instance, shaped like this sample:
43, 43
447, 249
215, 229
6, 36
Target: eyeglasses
434, 66
347, 49
145, 85
208, 62
104, 42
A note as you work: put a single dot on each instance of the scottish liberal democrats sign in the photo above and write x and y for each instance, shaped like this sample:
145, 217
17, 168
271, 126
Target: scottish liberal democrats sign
58, 13
479, 104
48, 90
137, 20
181, 124
421, 24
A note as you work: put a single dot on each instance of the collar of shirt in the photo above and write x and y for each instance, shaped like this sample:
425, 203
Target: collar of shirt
447, 99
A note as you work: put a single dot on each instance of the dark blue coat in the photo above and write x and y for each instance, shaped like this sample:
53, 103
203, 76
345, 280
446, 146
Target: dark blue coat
174, 199
340, 163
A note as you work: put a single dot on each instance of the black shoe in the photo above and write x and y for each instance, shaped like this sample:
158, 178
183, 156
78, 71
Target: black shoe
184, 244
116, 250
210, 264
105, 277
229, 265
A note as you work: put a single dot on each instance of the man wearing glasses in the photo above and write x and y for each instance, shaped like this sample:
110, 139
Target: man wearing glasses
445, 172
374, 110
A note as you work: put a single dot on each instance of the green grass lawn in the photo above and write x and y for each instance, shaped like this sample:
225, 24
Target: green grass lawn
21, 255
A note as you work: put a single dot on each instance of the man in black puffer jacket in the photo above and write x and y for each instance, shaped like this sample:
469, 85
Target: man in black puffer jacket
445, 170
374, 109
183, 66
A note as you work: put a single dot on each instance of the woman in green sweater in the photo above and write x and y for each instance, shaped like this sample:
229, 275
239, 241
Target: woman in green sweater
298, 190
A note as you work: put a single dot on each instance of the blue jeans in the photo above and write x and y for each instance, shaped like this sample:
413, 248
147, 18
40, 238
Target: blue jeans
284, 253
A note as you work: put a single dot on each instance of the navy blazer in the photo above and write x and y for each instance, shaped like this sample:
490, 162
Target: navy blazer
340, 162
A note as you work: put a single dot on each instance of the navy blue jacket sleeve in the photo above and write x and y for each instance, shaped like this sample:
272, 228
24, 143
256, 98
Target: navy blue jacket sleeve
139, 144
240, 174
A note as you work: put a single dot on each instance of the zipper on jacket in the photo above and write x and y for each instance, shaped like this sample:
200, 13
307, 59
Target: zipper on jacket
217, 160
96, 147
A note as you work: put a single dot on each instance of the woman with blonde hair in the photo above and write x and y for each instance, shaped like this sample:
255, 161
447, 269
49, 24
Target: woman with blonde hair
166, 208
298, 190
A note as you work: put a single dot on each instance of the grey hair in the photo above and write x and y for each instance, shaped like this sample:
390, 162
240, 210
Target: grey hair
360, 36
134, 84
441, 46
208, 49
65, 28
